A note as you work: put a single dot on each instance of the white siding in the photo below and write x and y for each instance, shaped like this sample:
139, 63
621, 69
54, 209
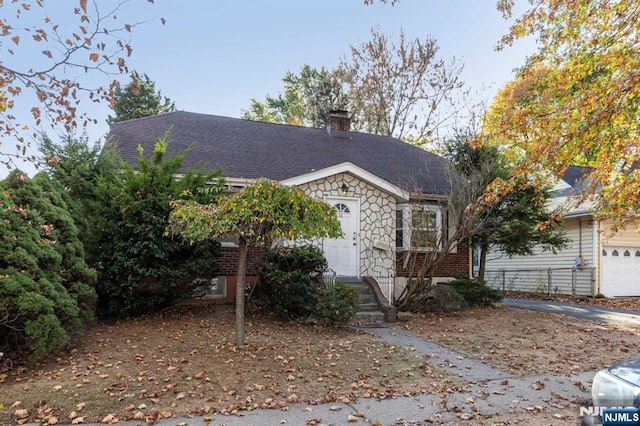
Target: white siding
628, 236
545, 271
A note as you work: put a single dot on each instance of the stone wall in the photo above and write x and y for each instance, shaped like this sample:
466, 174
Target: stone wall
377, 218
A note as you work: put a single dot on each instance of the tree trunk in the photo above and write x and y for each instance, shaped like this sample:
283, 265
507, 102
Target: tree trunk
483, 264
240, 284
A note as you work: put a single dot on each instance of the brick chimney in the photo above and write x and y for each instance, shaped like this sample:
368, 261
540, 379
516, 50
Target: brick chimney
338, 123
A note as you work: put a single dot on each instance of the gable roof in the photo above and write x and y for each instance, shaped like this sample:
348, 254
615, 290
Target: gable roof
572, 181
246, 149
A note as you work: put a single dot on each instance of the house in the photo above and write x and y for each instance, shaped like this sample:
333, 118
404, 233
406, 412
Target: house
370, 180
596, 261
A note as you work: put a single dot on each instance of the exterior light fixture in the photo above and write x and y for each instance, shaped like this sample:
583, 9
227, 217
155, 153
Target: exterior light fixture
344, 188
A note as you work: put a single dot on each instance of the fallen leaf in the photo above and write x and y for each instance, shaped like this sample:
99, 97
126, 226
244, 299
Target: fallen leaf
109, 419
21, 413
537, 385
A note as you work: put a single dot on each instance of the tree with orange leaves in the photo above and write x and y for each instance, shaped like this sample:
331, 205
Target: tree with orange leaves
42, 65
576, 101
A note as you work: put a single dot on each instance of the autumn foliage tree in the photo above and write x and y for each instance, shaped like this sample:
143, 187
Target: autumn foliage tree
401, 87
256, 215
43, 65
576, 99
396, 87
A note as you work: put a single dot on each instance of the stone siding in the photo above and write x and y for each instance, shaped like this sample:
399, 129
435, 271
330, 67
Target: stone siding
377, 218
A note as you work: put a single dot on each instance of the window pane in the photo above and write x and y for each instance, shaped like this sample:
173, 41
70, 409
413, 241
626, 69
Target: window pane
422, 219
399, 228
399, 238
424, 232
423, 238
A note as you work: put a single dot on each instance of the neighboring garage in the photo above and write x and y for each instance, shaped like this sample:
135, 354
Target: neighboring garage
620, 275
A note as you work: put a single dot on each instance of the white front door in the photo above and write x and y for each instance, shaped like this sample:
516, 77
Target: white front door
343, 253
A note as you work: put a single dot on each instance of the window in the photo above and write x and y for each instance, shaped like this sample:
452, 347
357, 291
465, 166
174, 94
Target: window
341, 208
424, 228
399, 228
418, 227
217, 288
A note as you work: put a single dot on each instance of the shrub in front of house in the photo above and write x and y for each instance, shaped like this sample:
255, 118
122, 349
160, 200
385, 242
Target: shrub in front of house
475, 293
336, 305
445, 299
46, 288
140, 268
289, 280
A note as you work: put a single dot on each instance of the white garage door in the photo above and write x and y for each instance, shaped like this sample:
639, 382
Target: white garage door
620, 271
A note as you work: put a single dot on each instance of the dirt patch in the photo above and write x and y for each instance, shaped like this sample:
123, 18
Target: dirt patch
183, 362
528, 343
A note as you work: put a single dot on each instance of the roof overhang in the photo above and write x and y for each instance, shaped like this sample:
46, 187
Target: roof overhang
348, 167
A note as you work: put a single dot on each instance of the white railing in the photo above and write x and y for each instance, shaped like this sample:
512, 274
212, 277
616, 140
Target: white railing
384, 278
329, 277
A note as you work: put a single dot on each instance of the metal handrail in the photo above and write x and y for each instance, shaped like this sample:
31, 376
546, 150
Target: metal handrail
384, 277
329, 278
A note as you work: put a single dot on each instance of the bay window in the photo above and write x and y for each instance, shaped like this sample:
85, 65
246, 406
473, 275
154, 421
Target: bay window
418, 227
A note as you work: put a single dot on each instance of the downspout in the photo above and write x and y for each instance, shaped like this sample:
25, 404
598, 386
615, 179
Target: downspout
597, 247
580, 239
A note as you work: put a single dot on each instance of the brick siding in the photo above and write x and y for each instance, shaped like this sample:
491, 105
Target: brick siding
228, 262
454, 264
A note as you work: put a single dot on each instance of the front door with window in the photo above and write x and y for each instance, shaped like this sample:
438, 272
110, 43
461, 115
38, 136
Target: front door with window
343, 253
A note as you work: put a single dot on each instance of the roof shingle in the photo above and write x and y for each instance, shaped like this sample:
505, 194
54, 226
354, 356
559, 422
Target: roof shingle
251, 149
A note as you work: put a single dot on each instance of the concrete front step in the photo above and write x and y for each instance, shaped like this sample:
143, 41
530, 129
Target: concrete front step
368, 317
368, 307
369, 311
366, 299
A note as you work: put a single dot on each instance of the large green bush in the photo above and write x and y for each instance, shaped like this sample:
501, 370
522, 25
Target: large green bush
475, 293
140, 267
289, 280
291, 286
46, 292
336, 305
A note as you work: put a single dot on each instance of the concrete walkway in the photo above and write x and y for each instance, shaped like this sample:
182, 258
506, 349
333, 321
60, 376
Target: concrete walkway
488, 390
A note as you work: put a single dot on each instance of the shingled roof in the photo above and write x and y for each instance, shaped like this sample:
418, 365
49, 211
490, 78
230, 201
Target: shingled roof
250, 149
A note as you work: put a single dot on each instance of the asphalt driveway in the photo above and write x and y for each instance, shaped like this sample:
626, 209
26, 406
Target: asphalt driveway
629, 319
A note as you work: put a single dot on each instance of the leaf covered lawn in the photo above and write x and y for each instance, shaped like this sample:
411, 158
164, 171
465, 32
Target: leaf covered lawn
183, 362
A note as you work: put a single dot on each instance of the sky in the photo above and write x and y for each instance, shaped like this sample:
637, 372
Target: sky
214, 56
